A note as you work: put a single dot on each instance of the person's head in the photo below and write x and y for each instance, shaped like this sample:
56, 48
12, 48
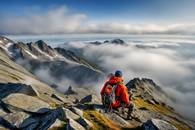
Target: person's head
118, 73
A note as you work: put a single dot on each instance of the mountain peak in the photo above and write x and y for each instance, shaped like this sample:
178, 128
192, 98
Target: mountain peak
140, 82
147, 90
4, 41
118, 41
43, 45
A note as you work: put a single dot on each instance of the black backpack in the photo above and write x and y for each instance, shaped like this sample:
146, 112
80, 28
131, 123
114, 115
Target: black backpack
109, 95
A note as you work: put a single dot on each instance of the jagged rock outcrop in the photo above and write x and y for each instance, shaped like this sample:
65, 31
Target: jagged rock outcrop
90, 99
70, 91
147, 90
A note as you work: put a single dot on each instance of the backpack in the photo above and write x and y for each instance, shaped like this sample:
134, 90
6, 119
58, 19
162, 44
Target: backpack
109, 95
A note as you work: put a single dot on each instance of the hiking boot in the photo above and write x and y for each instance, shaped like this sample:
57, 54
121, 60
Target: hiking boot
130, 110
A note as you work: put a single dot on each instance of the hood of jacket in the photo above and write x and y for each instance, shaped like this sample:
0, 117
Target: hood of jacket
115, 80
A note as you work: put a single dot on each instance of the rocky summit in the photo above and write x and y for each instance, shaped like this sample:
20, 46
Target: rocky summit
29, 103
114, 41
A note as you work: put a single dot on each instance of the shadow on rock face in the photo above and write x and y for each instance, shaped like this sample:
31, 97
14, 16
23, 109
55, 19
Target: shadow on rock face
8, 88
43, 119
40, 120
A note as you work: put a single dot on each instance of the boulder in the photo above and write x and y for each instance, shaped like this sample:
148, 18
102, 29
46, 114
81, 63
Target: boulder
90, 99
25, 102
73, 125
157, 124
85, 123
70, 115
9, 88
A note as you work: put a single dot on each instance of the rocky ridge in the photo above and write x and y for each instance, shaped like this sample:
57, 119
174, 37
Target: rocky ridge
39, 57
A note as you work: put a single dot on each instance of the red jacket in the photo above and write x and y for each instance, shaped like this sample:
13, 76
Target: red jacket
121, 91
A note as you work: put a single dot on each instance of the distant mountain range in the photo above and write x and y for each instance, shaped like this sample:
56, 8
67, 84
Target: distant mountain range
61, 63
115, 41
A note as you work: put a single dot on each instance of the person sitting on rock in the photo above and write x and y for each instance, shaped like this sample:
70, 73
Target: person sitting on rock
115, 94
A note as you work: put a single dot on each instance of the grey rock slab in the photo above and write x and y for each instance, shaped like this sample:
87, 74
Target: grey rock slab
70, 115
25, 102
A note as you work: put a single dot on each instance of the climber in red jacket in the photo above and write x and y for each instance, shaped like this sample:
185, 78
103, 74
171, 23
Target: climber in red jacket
115, 93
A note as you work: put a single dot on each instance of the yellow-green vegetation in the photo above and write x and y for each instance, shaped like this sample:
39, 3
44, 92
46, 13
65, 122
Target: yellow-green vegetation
157, 108
99, 121
53, 105
163, 110
180, 126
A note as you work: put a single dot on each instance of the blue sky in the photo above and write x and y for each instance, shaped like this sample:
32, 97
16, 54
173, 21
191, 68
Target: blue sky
99, 12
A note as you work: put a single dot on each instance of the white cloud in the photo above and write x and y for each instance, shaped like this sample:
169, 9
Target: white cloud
54, 21
60, 20
116, 27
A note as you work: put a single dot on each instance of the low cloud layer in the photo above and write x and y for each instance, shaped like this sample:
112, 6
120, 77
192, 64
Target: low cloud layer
60, 20
168, 66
